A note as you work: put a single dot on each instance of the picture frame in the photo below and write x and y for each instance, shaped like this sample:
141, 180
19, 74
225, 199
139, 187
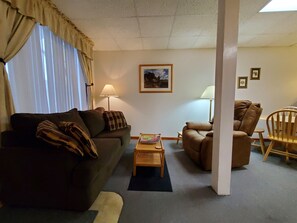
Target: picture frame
242, 82
255, 73
155, 78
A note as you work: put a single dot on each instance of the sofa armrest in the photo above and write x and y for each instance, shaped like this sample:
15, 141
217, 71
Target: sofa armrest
199, 126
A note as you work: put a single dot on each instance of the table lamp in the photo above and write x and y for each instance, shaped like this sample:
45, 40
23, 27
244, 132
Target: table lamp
108, 91
209, 93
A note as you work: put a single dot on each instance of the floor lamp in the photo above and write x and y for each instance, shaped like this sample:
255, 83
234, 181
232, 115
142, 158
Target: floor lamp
108, 91
209, 93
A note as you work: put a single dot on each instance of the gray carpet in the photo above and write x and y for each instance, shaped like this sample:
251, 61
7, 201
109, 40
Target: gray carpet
260, 192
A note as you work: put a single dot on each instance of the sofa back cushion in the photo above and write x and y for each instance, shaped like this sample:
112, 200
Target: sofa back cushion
114, 120
25, 124
94, 120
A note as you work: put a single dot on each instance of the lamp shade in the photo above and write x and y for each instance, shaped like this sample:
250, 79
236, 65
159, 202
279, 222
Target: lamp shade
108, 91
209, 92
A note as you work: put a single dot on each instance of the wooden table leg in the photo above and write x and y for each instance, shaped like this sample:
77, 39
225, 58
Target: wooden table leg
162, 164
179, 137
134, 164
261, 140
262, 143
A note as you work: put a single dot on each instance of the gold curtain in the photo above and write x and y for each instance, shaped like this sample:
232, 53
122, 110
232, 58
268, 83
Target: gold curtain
86, 64
16, 23
15, 30
46, 13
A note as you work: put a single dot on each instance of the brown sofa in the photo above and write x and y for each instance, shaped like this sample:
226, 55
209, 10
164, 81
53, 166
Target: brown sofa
198, 137
36, 174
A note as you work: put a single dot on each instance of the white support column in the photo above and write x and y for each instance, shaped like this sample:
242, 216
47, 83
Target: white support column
225, 78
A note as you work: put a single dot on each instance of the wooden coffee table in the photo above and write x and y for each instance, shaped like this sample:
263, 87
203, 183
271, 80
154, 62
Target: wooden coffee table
149, 155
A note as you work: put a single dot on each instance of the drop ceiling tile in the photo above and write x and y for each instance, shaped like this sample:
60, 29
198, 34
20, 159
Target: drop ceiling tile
92, 28
260, 41
122, 27
197, 7
155, 43
129, 43
209, 24
249, 8
194, 25
155, 26
112, 23
188, 25
264, 23
205, 42
285, 40
76, 9
115, 8
90, 9
244, 40
181, 42
156, 7
105, 44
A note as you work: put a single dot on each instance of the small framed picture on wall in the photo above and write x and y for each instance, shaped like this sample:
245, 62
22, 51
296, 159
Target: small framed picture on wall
242, 82
255, 73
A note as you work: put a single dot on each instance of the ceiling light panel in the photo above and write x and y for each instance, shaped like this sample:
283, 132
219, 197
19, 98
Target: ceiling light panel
280, 6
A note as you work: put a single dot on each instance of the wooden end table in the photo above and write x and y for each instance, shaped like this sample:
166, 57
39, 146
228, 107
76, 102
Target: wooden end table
149, 155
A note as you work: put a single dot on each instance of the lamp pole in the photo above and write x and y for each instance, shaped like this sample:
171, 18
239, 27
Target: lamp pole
210, 108
108, 103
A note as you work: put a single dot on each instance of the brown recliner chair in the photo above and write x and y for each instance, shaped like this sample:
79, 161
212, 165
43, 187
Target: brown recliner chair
198, 137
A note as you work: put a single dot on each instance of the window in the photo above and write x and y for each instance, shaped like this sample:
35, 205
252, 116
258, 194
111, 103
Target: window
46, 76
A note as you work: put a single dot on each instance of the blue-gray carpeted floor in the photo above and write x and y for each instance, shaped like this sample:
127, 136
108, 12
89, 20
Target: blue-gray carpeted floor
260, 192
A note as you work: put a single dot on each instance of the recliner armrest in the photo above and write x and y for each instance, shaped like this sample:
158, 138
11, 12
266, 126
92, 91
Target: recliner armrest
199, 126
236, 134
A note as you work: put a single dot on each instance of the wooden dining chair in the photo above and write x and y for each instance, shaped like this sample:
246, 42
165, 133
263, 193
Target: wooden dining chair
282, 130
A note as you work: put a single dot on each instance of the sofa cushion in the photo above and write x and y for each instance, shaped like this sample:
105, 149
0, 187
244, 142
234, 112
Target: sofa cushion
86, 172
94, 121
50, 133
74, 130
114, 120
26, 123
122, 134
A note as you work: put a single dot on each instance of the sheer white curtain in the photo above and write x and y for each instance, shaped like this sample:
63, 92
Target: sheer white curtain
46, 75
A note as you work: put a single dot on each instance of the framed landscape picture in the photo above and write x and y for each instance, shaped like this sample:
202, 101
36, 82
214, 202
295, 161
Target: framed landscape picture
155, 78
255, 73
242, 82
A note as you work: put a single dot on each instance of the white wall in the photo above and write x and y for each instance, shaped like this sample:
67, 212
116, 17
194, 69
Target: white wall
193, 70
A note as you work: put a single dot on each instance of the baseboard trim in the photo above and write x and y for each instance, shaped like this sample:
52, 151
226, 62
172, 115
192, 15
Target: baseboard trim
175, 138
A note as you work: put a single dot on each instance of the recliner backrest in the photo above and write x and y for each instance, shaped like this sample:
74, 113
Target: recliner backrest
250, 119
246, 116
